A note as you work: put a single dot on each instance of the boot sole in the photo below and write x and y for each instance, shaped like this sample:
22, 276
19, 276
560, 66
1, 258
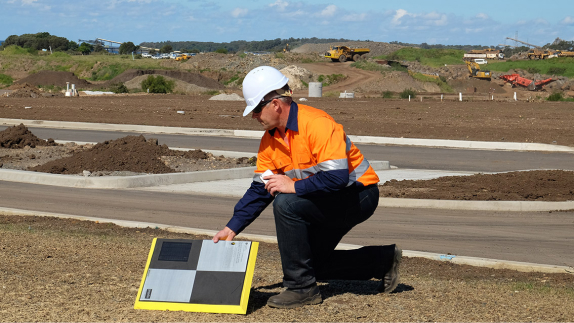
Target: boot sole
313, 300
395, 270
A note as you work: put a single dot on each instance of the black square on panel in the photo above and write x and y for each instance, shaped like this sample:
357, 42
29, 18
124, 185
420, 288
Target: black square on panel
174, 251
217, 288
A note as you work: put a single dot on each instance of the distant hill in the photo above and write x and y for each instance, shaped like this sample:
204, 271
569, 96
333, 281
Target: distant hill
274, 45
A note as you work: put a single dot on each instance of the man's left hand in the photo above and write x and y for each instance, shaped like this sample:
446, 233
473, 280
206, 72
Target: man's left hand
279, 184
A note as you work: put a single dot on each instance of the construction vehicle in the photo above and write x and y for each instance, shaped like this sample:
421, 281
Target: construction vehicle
474, 70
489, 53
516, 79
537, 52
344, 53
182, 57
565, 53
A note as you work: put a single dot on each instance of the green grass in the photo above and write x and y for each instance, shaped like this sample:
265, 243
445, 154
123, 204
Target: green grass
408, 93
559, 66
387, 95
14, 50
558, 96
330, 79
444, 87
99, 67
6, 80
231, 80
429, 57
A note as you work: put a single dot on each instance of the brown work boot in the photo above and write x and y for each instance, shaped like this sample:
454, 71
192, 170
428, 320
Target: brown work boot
292, 298
390, 280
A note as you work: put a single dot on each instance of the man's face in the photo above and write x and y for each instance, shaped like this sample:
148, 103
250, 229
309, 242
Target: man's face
268, 117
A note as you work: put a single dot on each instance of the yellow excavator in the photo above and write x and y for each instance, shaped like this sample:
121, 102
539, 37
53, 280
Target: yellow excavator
474, 70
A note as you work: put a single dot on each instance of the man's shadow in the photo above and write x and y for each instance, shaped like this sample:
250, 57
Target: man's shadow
259, 295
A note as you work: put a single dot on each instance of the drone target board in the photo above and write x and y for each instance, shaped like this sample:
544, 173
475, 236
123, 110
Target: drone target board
198, 276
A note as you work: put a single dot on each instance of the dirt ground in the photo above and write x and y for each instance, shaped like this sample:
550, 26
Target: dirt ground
64, 271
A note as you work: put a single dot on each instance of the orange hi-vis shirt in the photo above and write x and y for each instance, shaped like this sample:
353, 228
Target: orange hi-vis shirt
318, 156
316, 143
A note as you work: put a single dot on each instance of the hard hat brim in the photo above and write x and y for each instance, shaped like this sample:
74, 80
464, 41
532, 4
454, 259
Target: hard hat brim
248, 110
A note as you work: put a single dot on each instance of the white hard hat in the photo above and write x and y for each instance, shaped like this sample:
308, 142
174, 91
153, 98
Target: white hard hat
258, 83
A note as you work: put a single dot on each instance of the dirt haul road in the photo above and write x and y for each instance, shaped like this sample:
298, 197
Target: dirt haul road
500, 121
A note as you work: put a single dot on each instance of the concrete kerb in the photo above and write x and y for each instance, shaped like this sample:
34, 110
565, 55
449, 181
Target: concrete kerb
148, 180
512, 206
462, 260
484, 145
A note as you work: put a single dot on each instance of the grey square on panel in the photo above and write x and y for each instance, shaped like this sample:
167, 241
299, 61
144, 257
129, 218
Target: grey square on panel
168, 285
224, 256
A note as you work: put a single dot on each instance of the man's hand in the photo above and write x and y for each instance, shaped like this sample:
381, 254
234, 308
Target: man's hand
226, 234
279, 184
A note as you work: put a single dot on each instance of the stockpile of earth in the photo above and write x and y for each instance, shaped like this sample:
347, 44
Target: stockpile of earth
18, 137
55, 78
25, 90
537, 185
136, 154
131, 153
242, 63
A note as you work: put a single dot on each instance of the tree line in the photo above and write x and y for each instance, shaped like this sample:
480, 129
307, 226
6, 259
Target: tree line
272, 45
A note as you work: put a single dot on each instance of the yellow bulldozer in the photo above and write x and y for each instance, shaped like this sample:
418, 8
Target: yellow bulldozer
345, 53
474, 70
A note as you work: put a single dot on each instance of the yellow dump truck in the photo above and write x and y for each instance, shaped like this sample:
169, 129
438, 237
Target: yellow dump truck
565, 53
540, 53
345, 53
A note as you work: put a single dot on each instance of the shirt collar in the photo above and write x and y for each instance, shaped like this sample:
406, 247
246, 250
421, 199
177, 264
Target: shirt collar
292, 121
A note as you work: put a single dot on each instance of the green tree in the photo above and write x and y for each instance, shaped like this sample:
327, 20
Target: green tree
221, 50
127, 48
166, 49
72, 45
158, 84
152, 52
99, 48
85, 48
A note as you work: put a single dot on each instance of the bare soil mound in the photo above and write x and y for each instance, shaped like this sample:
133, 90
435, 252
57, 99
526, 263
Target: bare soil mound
135, 154
55, 78
18, 137
538, 185
131, 153
25, 90
192, 78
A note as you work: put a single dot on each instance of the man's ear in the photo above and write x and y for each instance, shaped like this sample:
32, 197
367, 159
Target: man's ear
276, 104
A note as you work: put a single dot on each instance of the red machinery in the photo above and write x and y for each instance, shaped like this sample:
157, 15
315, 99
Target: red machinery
530, 84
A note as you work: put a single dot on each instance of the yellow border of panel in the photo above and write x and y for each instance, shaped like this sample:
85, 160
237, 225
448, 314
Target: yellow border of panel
150, 255
206, 308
